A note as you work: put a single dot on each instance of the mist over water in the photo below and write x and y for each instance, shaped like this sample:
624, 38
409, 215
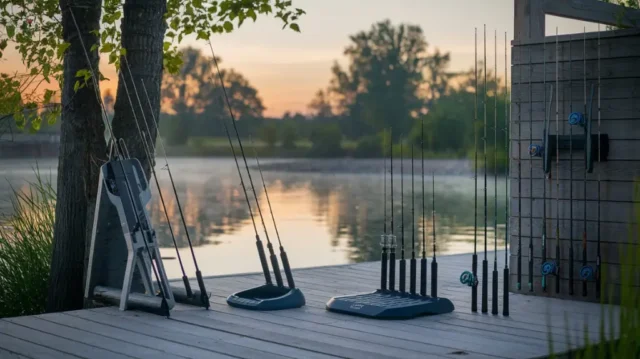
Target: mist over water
327, 211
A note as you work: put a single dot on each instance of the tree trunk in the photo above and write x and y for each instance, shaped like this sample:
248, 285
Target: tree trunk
143, 29
82, 149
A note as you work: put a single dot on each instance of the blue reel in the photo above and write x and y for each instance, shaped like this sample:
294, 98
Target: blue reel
576, 118
549, 268
586, 272
467, 278
536, 150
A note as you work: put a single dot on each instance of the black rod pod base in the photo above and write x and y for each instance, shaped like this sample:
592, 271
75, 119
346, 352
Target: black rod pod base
267, 297
389, 305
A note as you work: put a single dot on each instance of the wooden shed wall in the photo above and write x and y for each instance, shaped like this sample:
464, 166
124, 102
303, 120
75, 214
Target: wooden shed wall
620, 174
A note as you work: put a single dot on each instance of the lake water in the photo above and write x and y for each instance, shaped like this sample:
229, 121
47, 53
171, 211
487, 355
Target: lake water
327, 211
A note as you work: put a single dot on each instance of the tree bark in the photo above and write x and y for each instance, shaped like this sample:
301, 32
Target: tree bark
143, 28
82, 151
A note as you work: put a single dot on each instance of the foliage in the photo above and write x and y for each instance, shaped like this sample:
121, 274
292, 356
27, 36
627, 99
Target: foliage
35, 29
369, 146
289, 135
384, 82
25, 250
327, 141
269, 134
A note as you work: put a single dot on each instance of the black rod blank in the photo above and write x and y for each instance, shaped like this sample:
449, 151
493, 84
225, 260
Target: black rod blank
412, 263
485, 264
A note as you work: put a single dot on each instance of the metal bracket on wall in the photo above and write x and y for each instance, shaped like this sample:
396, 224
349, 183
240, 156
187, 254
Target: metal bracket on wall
591, 144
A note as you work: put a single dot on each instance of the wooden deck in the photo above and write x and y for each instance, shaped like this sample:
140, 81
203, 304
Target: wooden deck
311, 331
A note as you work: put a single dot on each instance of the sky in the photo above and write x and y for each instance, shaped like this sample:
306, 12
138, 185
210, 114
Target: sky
288, 68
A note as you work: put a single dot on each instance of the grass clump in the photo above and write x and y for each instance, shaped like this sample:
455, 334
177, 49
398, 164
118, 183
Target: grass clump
26, 239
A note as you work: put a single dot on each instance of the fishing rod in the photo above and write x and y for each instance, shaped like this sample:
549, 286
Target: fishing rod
392, 241
283, 254
423, 261
272, 255
530, 261
545, 148
507, 120
586, 271
556, 268
519, 104
383, 242
434, 264
485, 263
598, 273
412, 263
143, 227
494, 298
570, 174
147, 152
259, 245
471, 278
403, 262
199, 278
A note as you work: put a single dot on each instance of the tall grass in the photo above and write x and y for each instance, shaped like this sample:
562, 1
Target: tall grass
25, 250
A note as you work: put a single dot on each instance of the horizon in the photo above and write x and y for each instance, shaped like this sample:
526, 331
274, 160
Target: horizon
297, 65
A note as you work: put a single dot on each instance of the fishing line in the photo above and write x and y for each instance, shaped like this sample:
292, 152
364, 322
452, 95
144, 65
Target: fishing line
147, 152
494, 298
139, 225
403, 262
272, 255
283, 255
423, 261
507, 120
412, 263
485, 264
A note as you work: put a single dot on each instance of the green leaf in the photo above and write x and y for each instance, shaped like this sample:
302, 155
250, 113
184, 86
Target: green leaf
36, 123
294, 27
202, 35
108, 47
3, 44
11, 31
123, 51
52, 117
166, 46
62, 48
228, 26
47, 96
33, 71
93, 47
76, 86
82, 73
113, 57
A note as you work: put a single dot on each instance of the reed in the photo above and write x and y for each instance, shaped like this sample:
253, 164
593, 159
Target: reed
26, 239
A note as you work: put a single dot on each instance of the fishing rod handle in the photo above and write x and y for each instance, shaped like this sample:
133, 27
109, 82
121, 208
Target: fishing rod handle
392, 269
494, 292
187, 286
403, 275
505, 298
485, 286
383, 269
287, 268
474, 286
412, 276
204, 297
263, 260
434, 279
275, 265
423, 277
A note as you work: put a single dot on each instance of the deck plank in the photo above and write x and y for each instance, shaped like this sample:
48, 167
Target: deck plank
311, 331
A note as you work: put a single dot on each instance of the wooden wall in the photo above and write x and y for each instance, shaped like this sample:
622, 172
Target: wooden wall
620, 175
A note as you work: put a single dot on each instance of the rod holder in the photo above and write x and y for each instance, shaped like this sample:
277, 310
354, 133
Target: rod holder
592, 146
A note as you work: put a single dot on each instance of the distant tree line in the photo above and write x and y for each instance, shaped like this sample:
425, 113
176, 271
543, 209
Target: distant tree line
392, 80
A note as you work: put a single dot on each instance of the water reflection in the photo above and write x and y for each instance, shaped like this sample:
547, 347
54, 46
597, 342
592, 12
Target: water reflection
323, 218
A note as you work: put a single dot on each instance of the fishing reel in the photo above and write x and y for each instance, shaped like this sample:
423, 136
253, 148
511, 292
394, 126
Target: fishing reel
536, 150
467, 278
586, 272
577, 118
549, 268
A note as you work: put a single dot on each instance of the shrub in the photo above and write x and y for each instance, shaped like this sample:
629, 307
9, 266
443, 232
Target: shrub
25, 250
